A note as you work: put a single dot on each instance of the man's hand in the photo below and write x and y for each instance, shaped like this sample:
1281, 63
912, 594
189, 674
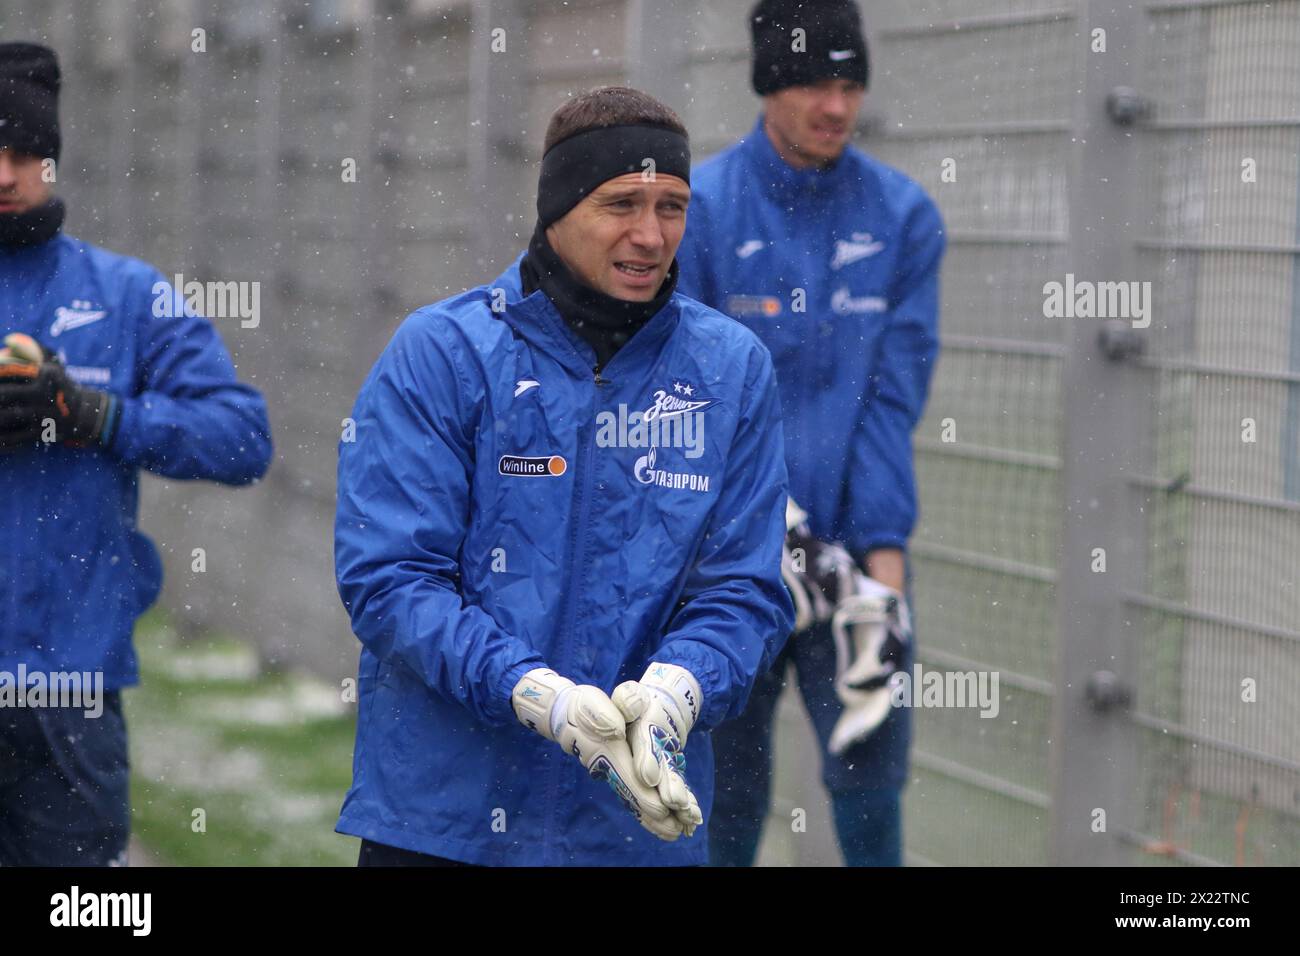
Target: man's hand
886, 565
35, 389
586, 723
661, 708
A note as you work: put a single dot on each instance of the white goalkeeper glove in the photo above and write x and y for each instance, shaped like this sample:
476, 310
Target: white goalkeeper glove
871, 629
586, 723
661, 708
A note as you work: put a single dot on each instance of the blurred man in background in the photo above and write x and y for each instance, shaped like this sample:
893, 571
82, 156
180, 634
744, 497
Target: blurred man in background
104, 372
533, 553
832, 258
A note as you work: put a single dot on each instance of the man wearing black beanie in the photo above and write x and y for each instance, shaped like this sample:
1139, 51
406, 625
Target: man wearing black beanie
29, 139
832, 258
103, 371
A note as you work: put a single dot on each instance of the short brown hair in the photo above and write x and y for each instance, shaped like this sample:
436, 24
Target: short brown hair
609, 106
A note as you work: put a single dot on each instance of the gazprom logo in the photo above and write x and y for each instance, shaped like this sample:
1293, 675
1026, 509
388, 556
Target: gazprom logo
845, 303
646, 473
547, 466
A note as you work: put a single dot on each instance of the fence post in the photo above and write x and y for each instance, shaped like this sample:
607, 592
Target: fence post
497, 95
1106, 408
657, 49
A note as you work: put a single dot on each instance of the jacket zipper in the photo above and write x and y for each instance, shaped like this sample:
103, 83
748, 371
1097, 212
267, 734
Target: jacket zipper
576, 562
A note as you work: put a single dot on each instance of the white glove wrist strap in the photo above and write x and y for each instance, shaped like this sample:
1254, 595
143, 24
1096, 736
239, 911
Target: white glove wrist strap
534, 699
681, 687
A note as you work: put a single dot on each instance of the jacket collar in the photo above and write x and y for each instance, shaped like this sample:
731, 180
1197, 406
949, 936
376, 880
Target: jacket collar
537, 321
781, 180
35, 256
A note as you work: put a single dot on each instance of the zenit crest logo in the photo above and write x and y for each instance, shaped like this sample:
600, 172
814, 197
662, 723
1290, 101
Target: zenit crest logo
861, 246
547, 466
81, 312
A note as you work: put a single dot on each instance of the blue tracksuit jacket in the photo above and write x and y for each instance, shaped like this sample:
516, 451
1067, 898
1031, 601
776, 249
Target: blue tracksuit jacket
492, 520
75, 572
837, 271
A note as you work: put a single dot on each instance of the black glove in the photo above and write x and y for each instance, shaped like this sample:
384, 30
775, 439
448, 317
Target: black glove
819, 574
30, 394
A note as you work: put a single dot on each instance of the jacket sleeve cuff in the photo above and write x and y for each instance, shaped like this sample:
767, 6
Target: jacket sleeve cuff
502, 708
119, 440
885, 541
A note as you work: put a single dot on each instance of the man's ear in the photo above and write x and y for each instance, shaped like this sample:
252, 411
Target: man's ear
553, 237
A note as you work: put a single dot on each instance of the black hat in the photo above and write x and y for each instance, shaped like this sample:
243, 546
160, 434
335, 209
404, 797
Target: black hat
29, 99
831, 45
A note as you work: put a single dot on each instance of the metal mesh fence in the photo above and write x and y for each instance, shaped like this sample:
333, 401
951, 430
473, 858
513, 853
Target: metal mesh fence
987, 94
227, 164
1216, 712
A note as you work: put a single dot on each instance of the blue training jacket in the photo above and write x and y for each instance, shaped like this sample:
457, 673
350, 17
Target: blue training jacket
76, 570
837, 271
493, 517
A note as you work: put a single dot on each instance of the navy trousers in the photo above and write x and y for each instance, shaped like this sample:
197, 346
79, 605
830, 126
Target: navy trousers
64, 786
865, 783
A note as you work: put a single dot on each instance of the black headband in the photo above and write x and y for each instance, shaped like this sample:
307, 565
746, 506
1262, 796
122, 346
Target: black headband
573, 167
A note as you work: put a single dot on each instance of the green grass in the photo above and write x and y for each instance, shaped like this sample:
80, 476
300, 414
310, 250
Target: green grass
266, 756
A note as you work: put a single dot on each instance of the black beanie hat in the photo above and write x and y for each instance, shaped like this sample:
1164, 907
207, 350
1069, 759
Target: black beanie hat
29, 99
833, 44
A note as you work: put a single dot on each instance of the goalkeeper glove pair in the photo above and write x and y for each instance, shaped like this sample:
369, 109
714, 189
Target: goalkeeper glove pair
870, 625
633, 740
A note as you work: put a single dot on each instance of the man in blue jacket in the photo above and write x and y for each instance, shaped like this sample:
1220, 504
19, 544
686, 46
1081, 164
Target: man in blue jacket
832, 258
565, 483
104, 373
